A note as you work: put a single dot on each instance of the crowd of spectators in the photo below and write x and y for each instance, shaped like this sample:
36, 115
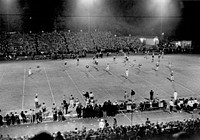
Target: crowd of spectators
147, 130
91, 109
14, 44
71, 108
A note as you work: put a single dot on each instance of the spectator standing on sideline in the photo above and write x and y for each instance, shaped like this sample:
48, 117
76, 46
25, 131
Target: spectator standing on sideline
132, 94
125, 96
151, 95
106, 124
36, 101
44, 108
102, 124
148, 122
114, 123
171, 105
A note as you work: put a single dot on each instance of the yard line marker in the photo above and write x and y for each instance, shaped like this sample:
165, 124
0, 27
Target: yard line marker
75, 85
23, 89
49, 86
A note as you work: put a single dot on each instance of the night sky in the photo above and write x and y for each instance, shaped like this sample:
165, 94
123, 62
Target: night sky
138, 17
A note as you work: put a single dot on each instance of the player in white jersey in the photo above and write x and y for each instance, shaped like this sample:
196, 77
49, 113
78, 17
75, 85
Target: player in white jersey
107, 67
157, 66
126, 73
29, 72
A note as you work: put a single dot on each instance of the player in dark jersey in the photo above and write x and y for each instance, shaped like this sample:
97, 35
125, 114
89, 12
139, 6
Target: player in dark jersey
172, 76
159, 56
77, 59
152, 58
114, 58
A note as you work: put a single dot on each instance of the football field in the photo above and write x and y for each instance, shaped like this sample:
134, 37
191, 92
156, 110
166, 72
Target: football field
52, 80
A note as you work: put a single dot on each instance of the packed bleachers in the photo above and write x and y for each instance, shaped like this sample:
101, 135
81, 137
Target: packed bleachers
185, 129
16, 44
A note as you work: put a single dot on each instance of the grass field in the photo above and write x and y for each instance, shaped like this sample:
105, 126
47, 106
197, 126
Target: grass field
17, 90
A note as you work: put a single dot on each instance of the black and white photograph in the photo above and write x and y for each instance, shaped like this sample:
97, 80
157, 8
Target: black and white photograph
99, 70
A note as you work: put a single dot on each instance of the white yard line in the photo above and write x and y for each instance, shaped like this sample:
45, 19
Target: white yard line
128, 86
181, 85
23, 90
49, 86
152, 84
74, 84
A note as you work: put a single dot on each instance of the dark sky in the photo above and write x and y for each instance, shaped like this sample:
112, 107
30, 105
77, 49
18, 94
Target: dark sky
123, 16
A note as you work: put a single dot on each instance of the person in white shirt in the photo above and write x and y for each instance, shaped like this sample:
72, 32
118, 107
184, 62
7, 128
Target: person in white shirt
91, 95
102, 124
175, 95
36, 101
171, 105
29, 72
157, 66
107, 67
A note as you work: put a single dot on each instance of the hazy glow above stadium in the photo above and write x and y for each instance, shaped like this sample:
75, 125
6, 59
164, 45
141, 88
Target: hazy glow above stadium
159, 6
9, 7
86, 3
87, 12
